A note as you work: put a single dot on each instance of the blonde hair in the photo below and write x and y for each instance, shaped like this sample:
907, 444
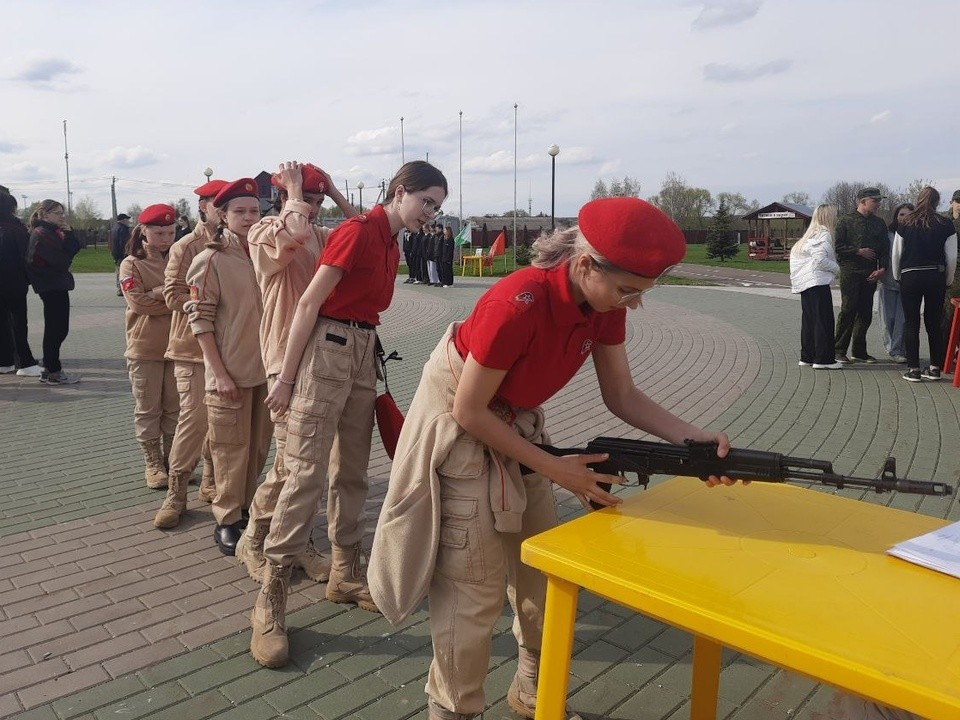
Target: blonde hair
824, 218
560, 246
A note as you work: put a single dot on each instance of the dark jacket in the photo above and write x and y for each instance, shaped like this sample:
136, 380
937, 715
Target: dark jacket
416, 244
446, 250
49, 254
923, 247
855, 231
14, 238
118, 241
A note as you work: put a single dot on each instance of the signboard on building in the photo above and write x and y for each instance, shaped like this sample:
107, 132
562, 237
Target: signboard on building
776, 215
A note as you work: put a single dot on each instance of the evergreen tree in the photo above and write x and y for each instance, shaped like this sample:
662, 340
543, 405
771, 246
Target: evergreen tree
721, 241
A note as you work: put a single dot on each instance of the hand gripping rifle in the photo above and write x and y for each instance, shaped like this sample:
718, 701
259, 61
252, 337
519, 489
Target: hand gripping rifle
699, 459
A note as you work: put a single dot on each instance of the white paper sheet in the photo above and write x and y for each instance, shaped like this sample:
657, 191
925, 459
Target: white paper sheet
938, 550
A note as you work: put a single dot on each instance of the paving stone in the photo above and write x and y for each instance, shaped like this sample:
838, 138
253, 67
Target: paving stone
66, 684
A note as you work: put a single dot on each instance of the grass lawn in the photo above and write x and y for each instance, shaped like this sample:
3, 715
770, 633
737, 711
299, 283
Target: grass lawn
697, 255
98, 259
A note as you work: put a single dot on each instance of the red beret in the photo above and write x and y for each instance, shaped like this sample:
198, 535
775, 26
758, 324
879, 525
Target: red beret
313, 180
244, 187
210, 189
157, 215
633, 235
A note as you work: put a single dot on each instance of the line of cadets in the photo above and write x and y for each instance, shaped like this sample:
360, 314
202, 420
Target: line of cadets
429, 255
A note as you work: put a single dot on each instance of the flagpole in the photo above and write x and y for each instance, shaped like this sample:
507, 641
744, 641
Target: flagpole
461, 167
403, 153
515, 186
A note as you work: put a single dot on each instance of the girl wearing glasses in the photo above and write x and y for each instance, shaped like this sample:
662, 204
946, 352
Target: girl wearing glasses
457, 507
328, 381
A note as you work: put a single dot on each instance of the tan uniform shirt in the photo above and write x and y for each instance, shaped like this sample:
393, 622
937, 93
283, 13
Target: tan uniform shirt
284, 250
147, 316
225, 300
183, 345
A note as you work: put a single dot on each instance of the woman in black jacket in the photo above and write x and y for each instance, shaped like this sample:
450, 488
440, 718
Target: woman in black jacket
49, 254
924, 259
15, 354
445, 268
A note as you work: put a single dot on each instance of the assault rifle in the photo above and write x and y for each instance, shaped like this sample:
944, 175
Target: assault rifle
699, 459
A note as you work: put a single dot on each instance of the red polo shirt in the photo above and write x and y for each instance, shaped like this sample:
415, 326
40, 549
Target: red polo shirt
529, 325
369, 256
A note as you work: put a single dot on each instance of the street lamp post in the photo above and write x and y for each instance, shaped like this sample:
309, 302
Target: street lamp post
360, 188
208, 173
553, 151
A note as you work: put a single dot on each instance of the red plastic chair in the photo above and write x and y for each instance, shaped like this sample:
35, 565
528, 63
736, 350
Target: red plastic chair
951, 362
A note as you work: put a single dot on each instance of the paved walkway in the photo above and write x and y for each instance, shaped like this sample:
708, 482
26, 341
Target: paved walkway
101, 615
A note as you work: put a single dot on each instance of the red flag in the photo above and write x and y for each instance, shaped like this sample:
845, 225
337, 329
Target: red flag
499, 246
389, 422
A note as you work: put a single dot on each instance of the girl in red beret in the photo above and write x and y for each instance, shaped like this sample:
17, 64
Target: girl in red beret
156, 402
457, 507
225, 311
328, 380
285, 249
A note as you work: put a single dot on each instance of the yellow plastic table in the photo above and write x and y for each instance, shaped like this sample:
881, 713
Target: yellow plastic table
792, 576
475, 260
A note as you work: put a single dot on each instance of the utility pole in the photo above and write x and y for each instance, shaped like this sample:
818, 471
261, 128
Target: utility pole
66, 160
24, 202
113, 196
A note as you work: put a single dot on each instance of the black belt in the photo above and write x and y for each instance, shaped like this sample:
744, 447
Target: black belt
352, 323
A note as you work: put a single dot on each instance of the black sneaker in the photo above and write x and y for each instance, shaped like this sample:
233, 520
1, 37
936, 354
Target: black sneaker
843, 359
58, 378
869, 359
931, 373
913, 375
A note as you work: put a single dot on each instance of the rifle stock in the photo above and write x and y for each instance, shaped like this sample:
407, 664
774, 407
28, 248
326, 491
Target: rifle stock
699, 459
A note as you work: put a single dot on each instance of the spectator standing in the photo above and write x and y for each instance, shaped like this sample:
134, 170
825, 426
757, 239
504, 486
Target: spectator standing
183, 227
119, 237
953, 291
156, 403
890, 305
813, 266
447, 250
15, 353
50, 253
863, 250
432, 247
924, 260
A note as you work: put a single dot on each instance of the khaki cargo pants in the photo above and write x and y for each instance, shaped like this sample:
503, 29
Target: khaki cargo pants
239, 434
475, 563
329, 430
191, 434
156, 404
265, 499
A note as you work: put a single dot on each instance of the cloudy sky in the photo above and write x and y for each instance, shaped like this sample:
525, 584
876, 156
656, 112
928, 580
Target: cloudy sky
761, 97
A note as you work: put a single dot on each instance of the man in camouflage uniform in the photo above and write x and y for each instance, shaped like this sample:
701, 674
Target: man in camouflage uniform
863, 252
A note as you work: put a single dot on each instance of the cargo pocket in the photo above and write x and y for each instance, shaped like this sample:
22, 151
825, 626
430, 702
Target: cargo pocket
139, 385
224, 423
460, 555
184, 376
304, 435
332, 362
467, 459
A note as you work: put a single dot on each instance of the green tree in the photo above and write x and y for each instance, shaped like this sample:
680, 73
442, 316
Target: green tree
628, 187
520, 213
797, 197
736, 203
686, 205
86, 215
721, 241
134, 211
184, 208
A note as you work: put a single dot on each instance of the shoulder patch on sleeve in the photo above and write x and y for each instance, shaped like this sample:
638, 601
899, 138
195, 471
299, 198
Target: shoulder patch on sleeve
127, 283
194, 292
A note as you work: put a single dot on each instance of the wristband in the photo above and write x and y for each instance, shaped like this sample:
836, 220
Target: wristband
280, 380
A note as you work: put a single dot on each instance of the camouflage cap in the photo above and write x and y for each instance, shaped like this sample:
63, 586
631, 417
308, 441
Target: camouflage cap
870, 192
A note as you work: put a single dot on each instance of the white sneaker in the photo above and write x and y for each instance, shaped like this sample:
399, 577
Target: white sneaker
899, 359
830, 366
7, 369
32, 371
803, 364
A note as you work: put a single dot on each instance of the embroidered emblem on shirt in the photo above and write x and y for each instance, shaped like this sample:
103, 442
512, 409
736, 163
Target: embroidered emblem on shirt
194, 292
127, 283
586, 347
525, 297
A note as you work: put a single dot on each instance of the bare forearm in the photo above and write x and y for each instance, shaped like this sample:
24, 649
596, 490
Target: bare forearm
211, 354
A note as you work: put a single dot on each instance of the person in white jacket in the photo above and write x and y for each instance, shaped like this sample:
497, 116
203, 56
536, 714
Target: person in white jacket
813, 266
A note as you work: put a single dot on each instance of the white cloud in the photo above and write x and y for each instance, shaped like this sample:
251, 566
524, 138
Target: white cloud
497, 162
45, 73
379, 141
10, 147
880, 117
723, 14
26, 171
131, 157
723, 73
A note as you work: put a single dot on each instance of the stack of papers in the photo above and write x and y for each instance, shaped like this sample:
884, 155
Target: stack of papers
938, 550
